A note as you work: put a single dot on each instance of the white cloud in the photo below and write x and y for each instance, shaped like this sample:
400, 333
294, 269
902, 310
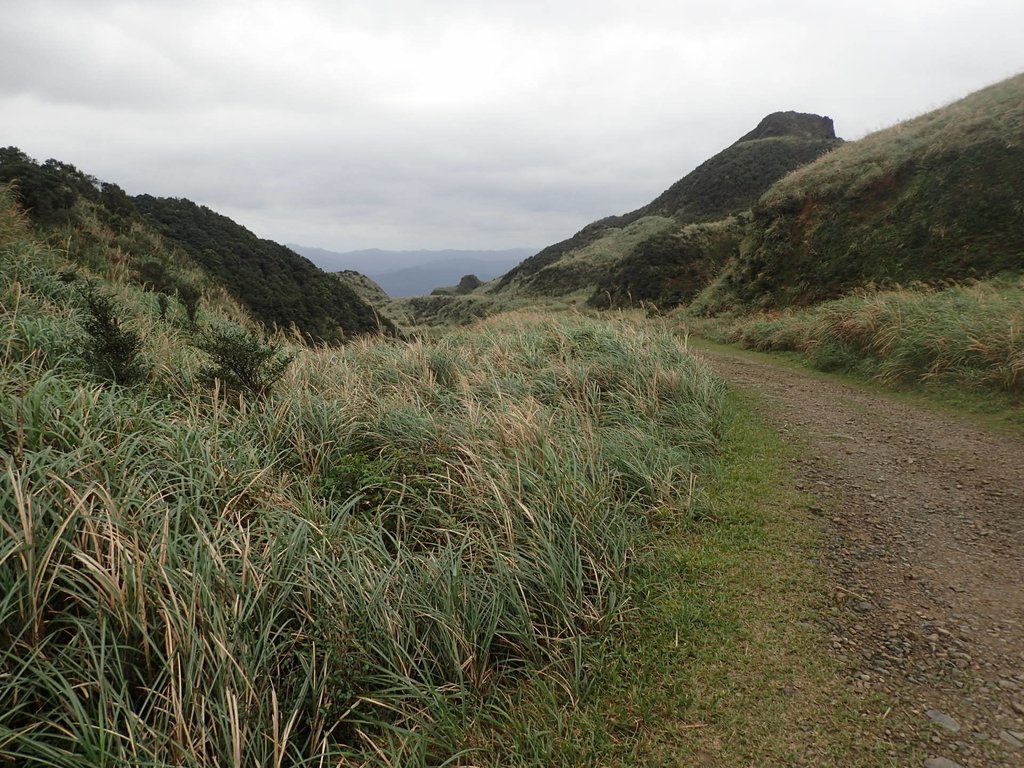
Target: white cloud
405, 123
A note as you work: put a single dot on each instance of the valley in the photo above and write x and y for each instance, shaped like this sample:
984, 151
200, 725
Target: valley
256, 513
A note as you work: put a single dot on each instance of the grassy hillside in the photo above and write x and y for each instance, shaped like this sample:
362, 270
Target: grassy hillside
99, 230
467, 284
937, 197
733, 179
671, 267
360, 563
277, 285
49, 191
578, 269
367, 289
725, 184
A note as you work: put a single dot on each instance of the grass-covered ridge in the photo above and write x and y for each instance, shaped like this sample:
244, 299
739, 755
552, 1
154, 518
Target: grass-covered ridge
669, 268
160, 240
358, 567
278, 286
933, 198
367, 289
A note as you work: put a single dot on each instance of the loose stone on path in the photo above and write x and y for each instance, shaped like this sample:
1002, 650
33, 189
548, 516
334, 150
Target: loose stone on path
941, 718
1010, 739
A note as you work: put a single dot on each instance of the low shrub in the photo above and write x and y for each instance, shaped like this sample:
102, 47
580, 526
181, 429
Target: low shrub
112, 351
242, 360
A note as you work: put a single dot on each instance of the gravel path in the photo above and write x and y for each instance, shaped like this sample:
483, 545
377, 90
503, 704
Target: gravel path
924, 523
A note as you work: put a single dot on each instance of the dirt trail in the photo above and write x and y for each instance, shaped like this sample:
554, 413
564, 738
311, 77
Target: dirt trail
924, 524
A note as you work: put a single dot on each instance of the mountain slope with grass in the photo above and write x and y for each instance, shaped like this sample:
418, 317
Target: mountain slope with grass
670, 268
280, 288
186, 254
726, 184
158, 237
368, 289
935, 198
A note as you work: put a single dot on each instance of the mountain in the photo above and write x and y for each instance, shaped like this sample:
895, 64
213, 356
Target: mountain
280, 287
934, 198
181, 249
726, 184
733, 179
790, 215
467, 284
416, 273
421, 280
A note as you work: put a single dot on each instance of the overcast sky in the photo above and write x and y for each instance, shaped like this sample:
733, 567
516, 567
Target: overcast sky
407, 124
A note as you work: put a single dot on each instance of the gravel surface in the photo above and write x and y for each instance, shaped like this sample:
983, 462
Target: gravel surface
924, 526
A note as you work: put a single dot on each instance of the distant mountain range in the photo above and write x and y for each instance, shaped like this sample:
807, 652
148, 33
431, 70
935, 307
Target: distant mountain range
416, 273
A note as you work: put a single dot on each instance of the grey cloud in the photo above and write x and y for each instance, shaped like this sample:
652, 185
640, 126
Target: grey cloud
413, 124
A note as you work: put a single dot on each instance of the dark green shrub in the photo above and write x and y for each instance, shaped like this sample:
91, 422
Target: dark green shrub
189, 297
357, 473
112, 352
154, 276
242, 360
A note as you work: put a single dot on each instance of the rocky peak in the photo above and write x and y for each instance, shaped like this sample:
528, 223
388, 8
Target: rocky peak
468, 284
801, 125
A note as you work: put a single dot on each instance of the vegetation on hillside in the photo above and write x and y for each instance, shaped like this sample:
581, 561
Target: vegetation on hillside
467, 284
726, 184
279, 287
669, 268
367, 289
49, 191
732, 180
98, 229
360, 563
965, 335
579, 270
444, 310
934, 198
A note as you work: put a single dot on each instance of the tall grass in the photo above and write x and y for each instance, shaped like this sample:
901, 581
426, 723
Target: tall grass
968, 335
354, 570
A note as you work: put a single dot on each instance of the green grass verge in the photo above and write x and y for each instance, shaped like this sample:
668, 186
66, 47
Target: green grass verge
723, 663
990, 409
